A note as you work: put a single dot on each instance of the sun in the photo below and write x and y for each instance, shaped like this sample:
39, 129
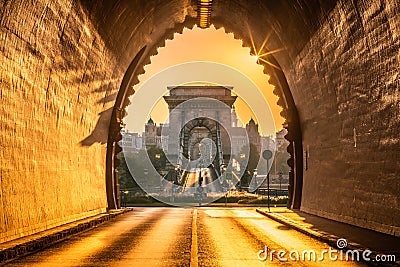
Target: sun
258, 53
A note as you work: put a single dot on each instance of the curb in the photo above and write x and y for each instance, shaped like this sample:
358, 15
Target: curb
42, 240
330, 239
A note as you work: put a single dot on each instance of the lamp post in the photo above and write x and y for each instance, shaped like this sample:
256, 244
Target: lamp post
241, 165
255, 172
126, 192
280, 180
157, 162
267, 155
160, 171
176, 174
200, 177
224, 185
224, 170
200, 189
145, 172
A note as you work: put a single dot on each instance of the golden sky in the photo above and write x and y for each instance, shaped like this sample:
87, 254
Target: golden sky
209, 45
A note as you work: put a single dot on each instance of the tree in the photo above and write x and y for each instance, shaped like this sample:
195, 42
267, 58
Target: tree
157, 157
124, 175
281, 161
252, 159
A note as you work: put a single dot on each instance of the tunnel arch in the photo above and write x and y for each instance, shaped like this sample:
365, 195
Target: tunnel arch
282, 90
308, 24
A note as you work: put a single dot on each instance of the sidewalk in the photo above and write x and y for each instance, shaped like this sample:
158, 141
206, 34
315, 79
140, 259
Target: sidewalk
32, 243
330, 231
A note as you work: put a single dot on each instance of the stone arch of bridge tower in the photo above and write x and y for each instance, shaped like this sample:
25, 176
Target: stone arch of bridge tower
192, 124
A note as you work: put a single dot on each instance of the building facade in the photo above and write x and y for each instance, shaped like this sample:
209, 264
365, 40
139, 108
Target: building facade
131, 142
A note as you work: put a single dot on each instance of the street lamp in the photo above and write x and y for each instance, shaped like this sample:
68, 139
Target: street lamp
267, 155
222, 170
145, 172
200, 177
280, 180
157, 162
200, 188
125, 200
177, 174
255, 180
225, 182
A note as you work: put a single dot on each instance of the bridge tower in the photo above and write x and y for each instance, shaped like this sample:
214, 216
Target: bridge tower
192, 121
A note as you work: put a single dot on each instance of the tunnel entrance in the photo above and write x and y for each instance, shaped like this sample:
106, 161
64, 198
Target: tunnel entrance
294, 133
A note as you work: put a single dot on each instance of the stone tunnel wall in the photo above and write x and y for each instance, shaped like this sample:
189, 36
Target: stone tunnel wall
56, 79
345, 83
62, 63
341, 61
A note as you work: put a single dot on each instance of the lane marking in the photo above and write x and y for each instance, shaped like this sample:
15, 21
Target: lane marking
193, 253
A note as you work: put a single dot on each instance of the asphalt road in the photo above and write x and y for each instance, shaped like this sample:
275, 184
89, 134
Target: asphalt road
192, 181
203, 236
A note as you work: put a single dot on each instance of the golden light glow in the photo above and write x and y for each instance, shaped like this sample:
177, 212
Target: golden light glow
255, 58
271, 52
258, 55
209, 45
269, 63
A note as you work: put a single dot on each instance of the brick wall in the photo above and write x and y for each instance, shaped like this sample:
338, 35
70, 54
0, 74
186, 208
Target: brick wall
345, 83
62, 63
55, 78
341, 62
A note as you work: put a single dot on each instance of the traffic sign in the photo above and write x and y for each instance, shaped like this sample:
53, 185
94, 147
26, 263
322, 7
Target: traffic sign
267, 154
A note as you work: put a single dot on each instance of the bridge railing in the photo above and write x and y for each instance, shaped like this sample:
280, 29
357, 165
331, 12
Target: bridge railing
264, 191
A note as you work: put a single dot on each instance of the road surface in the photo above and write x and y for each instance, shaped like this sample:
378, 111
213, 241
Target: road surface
192, 181
207, 236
